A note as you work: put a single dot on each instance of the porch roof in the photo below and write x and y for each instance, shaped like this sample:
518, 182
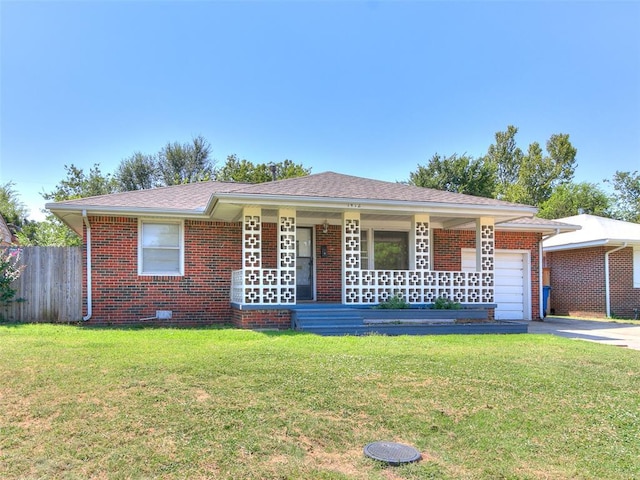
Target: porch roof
322, 196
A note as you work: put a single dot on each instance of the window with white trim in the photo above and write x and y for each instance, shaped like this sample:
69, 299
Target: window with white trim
636, 267
160, 248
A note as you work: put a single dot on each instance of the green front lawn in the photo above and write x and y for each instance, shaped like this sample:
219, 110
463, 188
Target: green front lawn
208, 403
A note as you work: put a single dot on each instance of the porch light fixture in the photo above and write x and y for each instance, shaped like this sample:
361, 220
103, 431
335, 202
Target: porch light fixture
325, 227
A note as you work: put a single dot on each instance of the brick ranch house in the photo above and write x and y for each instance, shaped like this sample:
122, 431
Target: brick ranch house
247, 254
595, 271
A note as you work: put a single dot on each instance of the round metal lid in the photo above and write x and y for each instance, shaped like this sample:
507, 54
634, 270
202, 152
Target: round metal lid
391, 452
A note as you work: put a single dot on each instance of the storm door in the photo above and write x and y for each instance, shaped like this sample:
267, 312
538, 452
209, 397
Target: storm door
304, 263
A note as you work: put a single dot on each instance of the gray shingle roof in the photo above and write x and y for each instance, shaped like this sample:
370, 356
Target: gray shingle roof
196, 196
192, 196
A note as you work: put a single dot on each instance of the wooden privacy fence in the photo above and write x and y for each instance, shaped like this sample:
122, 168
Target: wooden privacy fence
51, 286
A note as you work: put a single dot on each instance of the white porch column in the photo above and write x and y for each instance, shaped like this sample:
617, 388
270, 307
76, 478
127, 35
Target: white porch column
287, 255
485, 252
421, 253
252, 253
351, 262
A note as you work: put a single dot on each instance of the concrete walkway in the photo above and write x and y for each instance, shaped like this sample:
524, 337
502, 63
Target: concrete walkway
619, 334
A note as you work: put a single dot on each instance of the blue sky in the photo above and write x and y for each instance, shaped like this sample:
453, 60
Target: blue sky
369, 88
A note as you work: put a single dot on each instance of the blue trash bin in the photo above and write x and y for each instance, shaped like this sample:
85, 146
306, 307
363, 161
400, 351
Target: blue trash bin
545, 298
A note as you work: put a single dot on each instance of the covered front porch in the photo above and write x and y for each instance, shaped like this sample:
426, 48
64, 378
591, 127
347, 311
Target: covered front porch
344, 259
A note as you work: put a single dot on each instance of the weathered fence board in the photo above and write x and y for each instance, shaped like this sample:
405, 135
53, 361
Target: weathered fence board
51, 286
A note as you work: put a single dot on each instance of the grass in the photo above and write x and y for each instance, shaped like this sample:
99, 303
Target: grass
229, 404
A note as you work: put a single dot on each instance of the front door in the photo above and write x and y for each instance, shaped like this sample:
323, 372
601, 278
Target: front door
304, 263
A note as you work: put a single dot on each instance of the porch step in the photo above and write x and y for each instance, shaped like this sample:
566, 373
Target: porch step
318, 319
363, 321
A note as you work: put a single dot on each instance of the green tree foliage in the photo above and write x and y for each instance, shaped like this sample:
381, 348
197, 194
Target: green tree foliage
11, 208
138, 172
81, 185
506, 157
573, 198
626, 194
51, 232
77, 184
185, 163
530, 178
456, 174
244, 171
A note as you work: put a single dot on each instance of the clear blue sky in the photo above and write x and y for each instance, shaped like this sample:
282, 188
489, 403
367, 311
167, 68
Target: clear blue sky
369, 88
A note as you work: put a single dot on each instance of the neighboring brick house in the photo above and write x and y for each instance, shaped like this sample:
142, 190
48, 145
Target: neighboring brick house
216, 252
595, 271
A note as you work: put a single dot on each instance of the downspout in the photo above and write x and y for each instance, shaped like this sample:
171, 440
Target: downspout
606, 277
88, 243
540, 270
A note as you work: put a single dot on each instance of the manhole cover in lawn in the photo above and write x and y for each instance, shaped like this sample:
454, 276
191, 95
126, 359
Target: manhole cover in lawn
391, 452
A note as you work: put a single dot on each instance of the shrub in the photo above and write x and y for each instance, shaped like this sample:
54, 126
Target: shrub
394, 302
9, 272
443, 303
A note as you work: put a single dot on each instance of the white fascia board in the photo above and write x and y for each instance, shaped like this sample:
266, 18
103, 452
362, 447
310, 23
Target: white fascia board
71, 215
592, 243
344, 204
505, 226
572, 246
127, 211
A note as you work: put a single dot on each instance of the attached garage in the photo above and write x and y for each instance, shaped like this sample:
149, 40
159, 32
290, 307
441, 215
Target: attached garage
513, 285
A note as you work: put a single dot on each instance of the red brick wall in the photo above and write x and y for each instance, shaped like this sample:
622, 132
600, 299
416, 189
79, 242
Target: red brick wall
624, 298
262, 319
200, 297
578, 282
329, 269
447, 246
212, 251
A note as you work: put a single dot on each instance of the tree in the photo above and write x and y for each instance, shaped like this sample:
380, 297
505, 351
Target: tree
50, 232
574, 198
138, 172
185, 163
506, 157
456, 174
626, 187
80, 185
236, 170
530, 178
11, 208
77, 185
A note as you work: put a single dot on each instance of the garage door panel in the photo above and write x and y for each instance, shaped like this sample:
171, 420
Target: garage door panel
509, 295
515, 284
510, 283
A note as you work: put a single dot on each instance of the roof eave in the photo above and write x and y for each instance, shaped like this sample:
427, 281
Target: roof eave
532, 227
347, 204
71, 215
591, 243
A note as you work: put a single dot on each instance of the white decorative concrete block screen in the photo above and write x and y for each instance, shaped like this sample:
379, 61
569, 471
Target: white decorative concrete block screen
420, 284
261, 286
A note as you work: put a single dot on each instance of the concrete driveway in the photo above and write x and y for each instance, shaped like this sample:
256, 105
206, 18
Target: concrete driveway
619, 334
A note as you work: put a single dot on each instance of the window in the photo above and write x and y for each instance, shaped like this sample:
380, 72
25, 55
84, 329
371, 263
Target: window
160, 248
636, 267
364, 249
390, 250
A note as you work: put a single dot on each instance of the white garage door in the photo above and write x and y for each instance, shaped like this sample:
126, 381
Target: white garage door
512, 287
